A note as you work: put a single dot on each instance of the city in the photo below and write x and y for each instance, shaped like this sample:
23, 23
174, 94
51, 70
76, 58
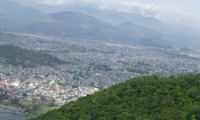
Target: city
90, 66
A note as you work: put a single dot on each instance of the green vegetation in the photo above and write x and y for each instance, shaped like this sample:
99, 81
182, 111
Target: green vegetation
143, 98
25, 107
14, 55
15, 104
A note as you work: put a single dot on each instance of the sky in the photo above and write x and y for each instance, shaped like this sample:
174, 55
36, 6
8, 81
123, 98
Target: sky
175, 12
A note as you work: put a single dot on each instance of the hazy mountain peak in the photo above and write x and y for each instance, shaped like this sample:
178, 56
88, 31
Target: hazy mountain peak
14, 15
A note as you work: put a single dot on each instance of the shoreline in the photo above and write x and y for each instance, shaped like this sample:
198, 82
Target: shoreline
20, 112
13, 110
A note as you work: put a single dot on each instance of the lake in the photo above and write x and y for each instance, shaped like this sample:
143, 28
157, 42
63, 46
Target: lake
6, 114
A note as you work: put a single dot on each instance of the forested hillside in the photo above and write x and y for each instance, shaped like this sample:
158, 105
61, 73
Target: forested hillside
142, 98
14, 55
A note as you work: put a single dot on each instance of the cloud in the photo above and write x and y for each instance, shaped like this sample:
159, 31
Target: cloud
184, 12
146, 8
51, 2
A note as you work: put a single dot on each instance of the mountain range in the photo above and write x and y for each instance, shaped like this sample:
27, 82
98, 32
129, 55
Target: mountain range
74, 25
89, 23
14, 15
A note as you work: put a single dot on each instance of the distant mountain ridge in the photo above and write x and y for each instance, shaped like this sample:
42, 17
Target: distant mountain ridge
94, 24
74, 25
14, 15
115, 18
144, 36
62, 24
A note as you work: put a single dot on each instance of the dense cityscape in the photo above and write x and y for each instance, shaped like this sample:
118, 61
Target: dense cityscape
90, 66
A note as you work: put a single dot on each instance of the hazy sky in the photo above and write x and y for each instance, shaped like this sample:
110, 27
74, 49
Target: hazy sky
184, 12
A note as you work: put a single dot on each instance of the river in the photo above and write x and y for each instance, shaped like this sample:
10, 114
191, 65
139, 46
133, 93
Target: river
6, 114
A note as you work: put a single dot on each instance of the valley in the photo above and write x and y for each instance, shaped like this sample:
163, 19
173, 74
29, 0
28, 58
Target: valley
75, 61
89, 66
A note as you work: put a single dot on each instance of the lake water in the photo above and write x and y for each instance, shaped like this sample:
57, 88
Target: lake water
6, 114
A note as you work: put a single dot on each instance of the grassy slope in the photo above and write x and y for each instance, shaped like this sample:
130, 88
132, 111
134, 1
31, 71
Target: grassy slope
144, 98
32, 109
14, 55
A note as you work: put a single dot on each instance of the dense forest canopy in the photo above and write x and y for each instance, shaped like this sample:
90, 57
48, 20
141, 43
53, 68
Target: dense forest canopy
142, 98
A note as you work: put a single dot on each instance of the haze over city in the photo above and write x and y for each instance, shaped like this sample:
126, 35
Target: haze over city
99, 59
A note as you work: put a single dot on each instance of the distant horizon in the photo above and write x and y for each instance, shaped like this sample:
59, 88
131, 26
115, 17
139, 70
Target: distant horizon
179, 13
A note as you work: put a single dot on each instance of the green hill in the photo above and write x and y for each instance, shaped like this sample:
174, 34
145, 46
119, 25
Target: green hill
143, 98
14, 55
